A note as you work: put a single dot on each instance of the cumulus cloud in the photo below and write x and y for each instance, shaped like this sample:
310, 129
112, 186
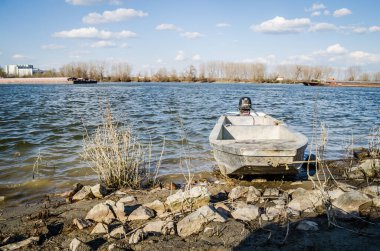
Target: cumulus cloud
336, 49
196, 57
20, 57
223, 25
103, 44
117, 15
342, 12
362, 57
280, 25
52, 46
322, 27
92, 32
326, 12
315, 14
180, 56
316, 7
162, 27
192, 35
92, 2
360, 30
374, 28
270, 59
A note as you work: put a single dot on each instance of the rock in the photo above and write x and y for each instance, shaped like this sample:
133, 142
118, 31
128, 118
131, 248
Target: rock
2, 198
253, 195
99, 191
376, 202
238, 192
307, 225
345, 187
101, 213
78, 245
20, 244
128, 200
168, 228
334, 194
193, 198
154, 227
84, 193
137, 236
246, 213
272, 213
223, 209
157, 206
349, 203
373, 191
279, 203
118, 233
115, 247
141, 213
305, 201
170, 186
271, 192
367, 167
82, 223
120, 193
194, 222
100, 228
119, 210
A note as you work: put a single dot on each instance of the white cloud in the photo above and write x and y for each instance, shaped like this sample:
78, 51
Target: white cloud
270, 59
52, 46
362, 57
192, 35
280, 25
322, 27
326, 12
92, 2
117, 15
374, 28
180, 56
298, 59
196, 57
162, 27
342, 12
336, 49
316, 7
223, 25
360, 30
315, 14
92, 32
20, 57
103, 44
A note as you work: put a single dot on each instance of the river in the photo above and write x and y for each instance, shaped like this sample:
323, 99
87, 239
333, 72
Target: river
49, 121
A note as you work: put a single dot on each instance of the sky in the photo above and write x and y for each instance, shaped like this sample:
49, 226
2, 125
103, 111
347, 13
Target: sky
150, 34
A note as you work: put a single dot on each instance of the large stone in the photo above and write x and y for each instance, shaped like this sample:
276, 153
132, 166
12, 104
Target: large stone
84, 193
119, 210
246, 212
307, 225
82, 223
137, 236
373, 191
78, 245
100, 228
128, 200
349, 203
238, 192
101, 213
188, 199
271, 192
99, 191
305, 201
367, 167
157, 206
253, 195
141, 213
168, 228
21, 244
272, 213
118, 233
154, 227
194, 222
334, 194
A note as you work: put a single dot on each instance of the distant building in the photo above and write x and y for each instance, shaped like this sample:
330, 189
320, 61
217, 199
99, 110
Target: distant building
19, 70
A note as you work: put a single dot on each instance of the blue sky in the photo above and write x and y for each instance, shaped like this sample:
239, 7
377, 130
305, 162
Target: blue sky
150, 34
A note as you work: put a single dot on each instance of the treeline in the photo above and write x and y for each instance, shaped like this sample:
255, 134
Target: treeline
210, 72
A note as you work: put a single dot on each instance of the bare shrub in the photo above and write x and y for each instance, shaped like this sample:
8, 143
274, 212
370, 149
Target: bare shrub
117, 156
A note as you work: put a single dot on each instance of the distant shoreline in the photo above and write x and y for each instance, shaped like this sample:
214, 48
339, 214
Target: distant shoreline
56, 80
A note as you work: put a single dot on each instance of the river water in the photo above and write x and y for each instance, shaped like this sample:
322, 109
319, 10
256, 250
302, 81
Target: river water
49, 121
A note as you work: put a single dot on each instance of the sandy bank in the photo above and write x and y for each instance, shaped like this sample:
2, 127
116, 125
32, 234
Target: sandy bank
60, 80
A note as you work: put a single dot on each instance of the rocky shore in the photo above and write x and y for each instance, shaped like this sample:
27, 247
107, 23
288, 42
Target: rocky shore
213, 214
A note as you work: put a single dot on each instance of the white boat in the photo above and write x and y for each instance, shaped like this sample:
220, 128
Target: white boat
256, 144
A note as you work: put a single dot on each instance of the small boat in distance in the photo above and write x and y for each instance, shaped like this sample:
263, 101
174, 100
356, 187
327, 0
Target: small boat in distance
256, 144
82, 80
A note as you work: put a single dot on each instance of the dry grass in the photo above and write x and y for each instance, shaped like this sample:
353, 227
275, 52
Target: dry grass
118, 157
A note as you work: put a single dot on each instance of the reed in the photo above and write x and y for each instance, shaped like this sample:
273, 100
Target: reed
117, 156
